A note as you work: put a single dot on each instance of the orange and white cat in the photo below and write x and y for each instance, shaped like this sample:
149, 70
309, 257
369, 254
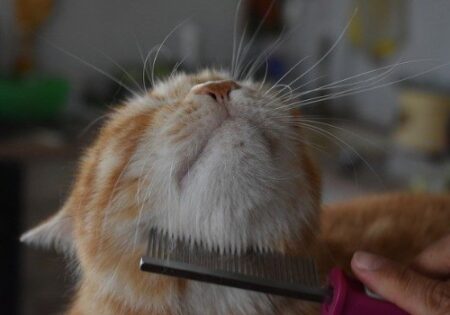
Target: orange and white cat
221, 161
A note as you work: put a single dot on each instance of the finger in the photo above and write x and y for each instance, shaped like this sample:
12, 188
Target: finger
402, 286
434, 261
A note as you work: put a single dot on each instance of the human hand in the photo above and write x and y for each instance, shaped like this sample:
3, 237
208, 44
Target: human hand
420, 289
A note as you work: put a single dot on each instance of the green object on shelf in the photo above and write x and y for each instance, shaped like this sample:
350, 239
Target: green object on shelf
32, 98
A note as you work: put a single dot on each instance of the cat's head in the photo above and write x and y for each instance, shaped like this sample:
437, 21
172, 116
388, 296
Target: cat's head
199, 155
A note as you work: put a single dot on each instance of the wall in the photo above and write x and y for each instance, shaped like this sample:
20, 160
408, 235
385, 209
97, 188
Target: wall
428, 37
90, 29
115, 27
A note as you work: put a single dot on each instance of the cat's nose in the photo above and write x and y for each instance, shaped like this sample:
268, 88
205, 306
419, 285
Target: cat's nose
218, 90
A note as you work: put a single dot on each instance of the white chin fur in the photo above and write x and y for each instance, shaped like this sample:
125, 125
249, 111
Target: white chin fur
236, 195
222, 184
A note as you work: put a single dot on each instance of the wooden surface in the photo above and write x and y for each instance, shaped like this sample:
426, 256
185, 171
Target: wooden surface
38, 144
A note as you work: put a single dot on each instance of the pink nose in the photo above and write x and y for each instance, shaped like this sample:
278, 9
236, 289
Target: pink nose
218, 90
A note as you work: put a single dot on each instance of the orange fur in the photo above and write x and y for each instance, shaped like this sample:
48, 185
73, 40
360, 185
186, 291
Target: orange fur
397, 225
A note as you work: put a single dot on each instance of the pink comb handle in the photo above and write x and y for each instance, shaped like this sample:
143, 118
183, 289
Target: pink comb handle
349, 298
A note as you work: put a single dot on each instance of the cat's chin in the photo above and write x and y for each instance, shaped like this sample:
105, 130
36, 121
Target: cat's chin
231, 150
234, 189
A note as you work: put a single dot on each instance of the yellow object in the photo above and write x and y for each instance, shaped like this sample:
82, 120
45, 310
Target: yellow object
424, 121
378, 27
30, 15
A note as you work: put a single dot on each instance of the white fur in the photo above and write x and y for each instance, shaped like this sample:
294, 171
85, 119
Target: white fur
56, 231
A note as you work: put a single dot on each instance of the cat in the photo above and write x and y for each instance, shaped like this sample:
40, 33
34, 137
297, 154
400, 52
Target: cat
225, 162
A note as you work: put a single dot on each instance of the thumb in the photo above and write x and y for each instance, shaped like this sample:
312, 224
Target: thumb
402, 286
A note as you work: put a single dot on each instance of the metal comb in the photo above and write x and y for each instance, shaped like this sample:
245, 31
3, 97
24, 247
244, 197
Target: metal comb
267, 272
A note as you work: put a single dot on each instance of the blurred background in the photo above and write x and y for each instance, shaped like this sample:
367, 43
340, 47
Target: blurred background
374, 89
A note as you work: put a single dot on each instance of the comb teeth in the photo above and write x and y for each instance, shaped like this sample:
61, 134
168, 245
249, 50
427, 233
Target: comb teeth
168, 253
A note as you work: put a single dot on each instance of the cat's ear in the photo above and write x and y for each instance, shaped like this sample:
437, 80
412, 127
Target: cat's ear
57, 232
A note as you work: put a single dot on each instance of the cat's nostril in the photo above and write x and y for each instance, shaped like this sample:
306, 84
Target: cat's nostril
218, 90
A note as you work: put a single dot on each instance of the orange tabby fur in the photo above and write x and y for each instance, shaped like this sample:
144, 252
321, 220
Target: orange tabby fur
103, 201
397, 225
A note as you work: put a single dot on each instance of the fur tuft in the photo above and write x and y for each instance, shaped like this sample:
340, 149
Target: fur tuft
56, 232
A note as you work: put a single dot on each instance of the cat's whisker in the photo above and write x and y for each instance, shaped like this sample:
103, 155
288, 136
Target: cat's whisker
339, 83
92, 66
282, 88
290, 94
286, 74
341, 129
121, 68
138, 47
164, 49
252, 66
371, 88
176, 66
354, 91
330, 50
145, 74
287, 117
238, 53
263, 81
341, 142
388, 67
162, 44
235, 27
252, 39
91, 124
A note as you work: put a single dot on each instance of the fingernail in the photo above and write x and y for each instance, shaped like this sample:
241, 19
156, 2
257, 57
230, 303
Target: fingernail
367, 261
